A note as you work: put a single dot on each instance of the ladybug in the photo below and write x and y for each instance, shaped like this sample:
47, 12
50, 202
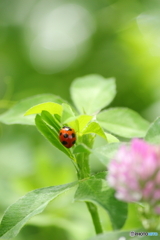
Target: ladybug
67, 136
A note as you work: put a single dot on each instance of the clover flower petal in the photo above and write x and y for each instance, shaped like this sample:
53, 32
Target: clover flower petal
135, 172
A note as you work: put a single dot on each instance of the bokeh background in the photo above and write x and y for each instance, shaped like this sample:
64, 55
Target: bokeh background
44, 46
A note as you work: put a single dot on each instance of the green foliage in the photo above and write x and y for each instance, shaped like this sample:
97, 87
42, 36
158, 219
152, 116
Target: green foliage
80, 122
108, 37
111, 138
90, 94
94, 127
15, 115
82, 148
50, 107
50, 133
26, 207
51, 120
97, 191
153, 133
106, 152
123, 122
94, 190
67, 113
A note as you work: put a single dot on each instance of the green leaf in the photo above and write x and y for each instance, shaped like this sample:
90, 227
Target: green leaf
100, 175
123, 122
28, 206
81, 148
94, 127
73, 123
111, 138
51, 107
57, 117
153, 134
15, 115
98, 192
51, 120
67, 113
80, 122
92, 93
124, 236
51, 134
107, 152
83, 120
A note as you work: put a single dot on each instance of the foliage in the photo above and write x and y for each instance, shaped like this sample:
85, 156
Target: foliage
90, 94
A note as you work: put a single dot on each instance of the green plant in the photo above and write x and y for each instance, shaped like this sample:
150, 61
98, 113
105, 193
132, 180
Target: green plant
90, 94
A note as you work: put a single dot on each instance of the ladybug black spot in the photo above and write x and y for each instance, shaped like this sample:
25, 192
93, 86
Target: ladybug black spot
73, 135
65, 135
73, 142
64, 143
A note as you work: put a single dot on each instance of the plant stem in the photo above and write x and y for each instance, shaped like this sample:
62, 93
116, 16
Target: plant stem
83, 163
95, 217
84, 172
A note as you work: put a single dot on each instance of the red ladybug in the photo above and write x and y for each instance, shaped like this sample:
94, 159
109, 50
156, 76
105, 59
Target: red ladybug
67, 136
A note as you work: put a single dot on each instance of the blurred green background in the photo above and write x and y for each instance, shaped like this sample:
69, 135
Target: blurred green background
44, 46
